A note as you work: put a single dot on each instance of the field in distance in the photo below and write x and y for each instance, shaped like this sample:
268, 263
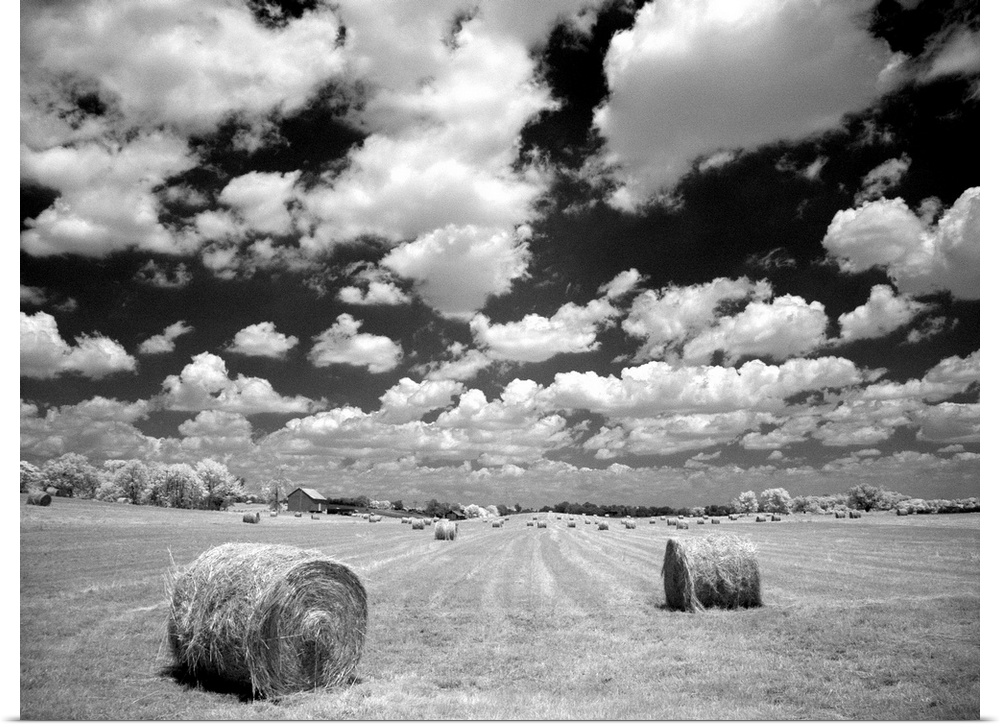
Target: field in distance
869, 619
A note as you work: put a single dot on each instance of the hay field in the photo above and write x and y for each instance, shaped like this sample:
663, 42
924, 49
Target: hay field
869, 619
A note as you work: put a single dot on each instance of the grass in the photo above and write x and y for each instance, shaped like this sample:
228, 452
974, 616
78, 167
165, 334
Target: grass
871, 619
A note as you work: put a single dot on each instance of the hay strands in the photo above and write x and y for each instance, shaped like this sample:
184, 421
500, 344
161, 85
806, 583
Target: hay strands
37, 497
275, 618
718, 570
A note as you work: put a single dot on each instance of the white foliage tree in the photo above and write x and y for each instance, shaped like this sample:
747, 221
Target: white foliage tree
745, 502
220, 486
775, 499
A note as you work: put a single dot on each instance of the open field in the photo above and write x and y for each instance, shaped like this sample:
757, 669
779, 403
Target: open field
876, 618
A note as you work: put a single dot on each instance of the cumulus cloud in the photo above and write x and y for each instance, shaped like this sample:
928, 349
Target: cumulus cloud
374, 286
882, 178
456, 269
216, 433
32, 295
408, 401
572, 329
163, 276
260, 202
205, 384
45, 355
671, 434
464, 364
950, 423
622, 284
262, 339
693, 78
342, 343
883, 313
920, 258
99, 425
164, 342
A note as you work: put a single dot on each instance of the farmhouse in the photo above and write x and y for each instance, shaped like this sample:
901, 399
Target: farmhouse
304, 499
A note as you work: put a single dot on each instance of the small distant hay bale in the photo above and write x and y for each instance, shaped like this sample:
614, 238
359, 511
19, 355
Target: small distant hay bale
902, 511
275, 618
776, 518
652, 521
530, 523
428, 521
571, 524
314, 516
671, 521
763, 518
274, 513
445, 530
683, 525
406, 521
839, 514
542, 524
715, 521
854, 514
630, 524
417, 524
251, 517
37, 497
718, 570
586, 521
602, 526
298, 514
558, 517
122, 500
734, 517
374, 518
534, 517
497, 523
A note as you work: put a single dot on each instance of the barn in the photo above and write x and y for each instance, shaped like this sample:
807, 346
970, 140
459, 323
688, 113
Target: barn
304, 499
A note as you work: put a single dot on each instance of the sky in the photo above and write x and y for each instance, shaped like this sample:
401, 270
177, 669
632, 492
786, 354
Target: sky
506, 252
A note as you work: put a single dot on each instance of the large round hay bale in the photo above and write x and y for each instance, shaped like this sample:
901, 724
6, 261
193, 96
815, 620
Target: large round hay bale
417, 524
854, 514
630, 524
652, 521
428, 521
902, 511
275, 618
37, 497
586, 521
671, 521
718, 570
251, 517
839, 514
776, 518
445, 530
406, 521
602, 526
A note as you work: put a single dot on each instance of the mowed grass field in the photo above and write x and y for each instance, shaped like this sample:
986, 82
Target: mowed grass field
876, 618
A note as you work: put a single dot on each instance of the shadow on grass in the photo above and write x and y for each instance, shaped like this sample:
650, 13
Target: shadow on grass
220, 685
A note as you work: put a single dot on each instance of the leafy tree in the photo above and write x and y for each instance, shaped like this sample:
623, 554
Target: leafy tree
397, 505
176, 485
775, 499
126, 478
864, 497
31, 477
221, 488
71, 474
745, 502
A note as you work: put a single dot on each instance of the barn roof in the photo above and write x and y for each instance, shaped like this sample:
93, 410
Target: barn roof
313, 494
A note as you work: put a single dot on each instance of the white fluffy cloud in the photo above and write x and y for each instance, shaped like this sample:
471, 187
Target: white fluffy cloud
216, 433
261, 200
164, 342
882, 178
572, 329
97, 425
456, 269
373, 286
920, 258
883, 313
408, 401
671, 434
691, 78
45, 355
463, 365
262, 339
205, 384
342, 343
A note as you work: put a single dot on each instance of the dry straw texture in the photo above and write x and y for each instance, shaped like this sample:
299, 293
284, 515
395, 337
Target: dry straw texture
682, 525
765, 518
445, 530
630, 524
840, 514
715, 570
602, 526
251, 517
417, 525
276, 618
671, 521
36, 497
854, 514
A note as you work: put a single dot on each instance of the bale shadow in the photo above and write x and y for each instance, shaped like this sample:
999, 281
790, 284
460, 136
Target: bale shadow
209, 682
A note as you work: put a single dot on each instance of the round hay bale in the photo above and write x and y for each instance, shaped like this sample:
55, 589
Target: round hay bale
682, 525
542, 524
37, 497
314, 516
417, 524
571, 524
122, 500
839, 514
602, 526
776, 518
716, 521
497, 523
250, 517
734, 517
854, 514
630, 524
428, 521
719, 570
671, 521
276, 618
405, 520
534, 517
652, 521
700, 521
298, 514
52, 491
445, 530
274, 513
586, 521
530, 523
763, 518
902, 511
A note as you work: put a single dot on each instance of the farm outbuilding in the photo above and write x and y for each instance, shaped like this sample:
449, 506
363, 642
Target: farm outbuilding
304, 499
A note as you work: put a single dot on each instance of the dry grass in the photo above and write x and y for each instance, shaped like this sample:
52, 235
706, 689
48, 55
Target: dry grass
717, 570
276, 618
